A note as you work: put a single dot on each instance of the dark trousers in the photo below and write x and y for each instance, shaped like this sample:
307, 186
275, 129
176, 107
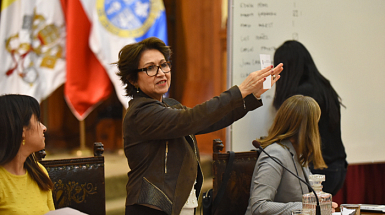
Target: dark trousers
334, 176
142, 210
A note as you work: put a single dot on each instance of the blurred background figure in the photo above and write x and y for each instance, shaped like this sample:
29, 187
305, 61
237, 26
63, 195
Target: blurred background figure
301, 76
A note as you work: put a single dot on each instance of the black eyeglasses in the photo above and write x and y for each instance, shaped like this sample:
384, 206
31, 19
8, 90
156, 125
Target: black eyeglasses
153, 69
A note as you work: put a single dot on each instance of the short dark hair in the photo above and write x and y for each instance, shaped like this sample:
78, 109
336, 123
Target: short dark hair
16, 112
129, 57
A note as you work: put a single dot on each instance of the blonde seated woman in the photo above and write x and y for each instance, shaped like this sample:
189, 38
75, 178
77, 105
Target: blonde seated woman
294, 140
25, 187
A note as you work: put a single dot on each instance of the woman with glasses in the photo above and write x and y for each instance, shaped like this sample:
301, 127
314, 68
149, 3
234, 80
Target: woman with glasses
159, 141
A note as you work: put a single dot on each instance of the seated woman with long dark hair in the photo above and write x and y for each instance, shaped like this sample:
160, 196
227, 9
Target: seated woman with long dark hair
25, 187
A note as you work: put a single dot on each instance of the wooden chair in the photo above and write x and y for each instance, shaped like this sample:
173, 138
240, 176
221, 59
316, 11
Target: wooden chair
236, 197
79, 183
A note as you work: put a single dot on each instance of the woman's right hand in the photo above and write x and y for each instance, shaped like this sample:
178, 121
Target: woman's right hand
254, 81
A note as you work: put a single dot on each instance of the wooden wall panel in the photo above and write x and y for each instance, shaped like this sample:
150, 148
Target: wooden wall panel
199, 73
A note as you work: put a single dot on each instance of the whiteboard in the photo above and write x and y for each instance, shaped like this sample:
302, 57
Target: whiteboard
346, 39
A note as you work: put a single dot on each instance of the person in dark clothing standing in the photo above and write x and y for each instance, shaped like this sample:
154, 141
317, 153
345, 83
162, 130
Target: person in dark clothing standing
159, 133
302, 77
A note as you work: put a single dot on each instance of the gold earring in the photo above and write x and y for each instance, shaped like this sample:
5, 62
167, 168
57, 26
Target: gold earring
23, 142
137, 89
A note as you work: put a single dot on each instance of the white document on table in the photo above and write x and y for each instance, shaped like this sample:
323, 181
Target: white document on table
371, 207
65, 211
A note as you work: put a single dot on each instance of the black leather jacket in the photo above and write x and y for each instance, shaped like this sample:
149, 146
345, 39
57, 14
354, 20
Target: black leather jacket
161, 148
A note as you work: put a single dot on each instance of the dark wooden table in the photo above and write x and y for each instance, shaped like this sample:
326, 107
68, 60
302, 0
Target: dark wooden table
370, 213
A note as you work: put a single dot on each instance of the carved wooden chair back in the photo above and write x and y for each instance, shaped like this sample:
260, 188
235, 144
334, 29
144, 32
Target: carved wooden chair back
236, 197
79, 183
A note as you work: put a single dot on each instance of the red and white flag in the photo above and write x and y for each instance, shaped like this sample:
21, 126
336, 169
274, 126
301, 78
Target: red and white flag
116, 23
87, 81
32, 47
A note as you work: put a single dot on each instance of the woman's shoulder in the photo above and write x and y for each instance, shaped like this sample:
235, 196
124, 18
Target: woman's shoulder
144, 102
141, 100
171, 102
141, 103
275, 147
42, 167
278, 150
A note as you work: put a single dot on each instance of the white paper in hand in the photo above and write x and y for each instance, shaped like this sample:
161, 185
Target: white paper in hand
265, 62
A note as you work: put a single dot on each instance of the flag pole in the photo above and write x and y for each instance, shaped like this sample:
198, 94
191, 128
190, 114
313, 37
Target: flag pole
82, 150
121, 147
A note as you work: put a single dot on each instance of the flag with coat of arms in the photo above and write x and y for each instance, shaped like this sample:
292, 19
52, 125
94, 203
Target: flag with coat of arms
114, 24
32, 47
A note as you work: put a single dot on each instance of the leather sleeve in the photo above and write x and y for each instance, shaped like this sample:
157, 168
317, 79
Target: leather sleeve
149, 119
